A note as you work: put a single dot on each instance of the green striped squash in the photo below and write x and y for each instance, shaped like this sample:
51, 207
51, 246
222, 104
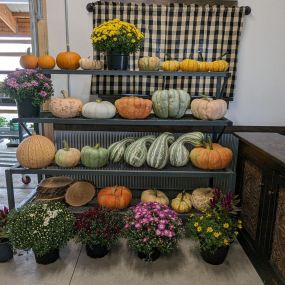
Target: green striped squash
136, 152
171, 103
117, 149
158, 153
178, 153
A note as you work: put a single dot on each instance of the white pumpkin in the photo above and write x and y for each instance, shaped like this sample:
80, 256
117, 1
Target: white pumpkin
99, 110
87, 63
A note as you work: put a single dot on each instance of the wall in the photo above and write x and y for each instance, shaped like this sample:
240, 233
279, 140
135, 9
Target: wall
259, 95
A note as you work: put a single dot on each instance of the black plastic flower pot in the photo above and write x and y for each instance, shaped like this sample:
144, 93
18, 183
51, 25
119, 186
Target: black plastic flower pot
149, 257
96, 251
47, 258
117, 61
6, 251
217, 257
26, 109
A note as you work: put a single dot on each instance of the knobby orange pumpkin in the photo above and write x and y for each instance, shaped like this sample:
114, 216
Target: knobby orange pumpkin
46, 62
116, 197
204, 66
211, 156
170, 65
219, 65
68, 60
28, 60
189, 65
133, 107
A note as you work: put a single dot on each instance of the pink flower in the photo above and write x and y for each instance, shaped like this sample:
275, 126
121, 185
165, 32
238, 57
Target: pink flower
138, 226
161, 227
127, 226
158, 232
43, 93
46, 85
34, 83
145, 239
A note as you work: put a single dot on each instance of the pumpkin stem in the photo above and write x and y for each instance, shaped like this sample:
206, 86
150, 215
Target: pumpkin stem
64, 94
97, 146
200, 56
28, 51
223, 55
205, 97
98, 100
65, 146
183, 194
115, 188
209, 143
168, 57
155, 192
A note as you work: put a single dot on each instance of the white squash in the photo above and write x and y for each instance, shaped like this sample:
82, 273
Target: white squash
99, 110
87, 63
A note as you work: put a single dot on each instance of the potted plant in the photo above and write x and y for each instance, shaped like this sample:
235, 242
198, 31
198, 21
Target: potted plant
152, 229
118, 39
29, 88
42, 227
216, 228
99, 229
6, 252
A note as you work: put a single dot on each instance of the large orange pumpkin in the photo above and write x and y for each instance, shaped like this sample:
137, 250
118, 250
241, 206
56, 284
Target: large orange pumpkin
35, 152
211, 156
28, 60
189, 65
132, 107
46, 62
68, 60
116, 197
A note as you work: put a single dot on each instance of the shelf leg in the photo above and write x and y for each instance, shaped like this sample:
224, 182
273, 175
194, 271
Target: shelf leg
40, 177
10, 189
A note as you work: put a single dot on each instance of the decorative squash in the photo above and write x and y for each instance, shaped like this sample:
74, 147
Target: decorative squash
68, 60
204, 66
28, 60
211, 156
46, 62
66, 107
116, 197
178, 153
35, 151
182, 203
171, 103
158, 153
219, 65
208, 109
94, 157
88, 63
150, 63
170, 65
67, 157
117, 149
154, 195
201, 198
189, 65
136, 153
131, 107
99, 110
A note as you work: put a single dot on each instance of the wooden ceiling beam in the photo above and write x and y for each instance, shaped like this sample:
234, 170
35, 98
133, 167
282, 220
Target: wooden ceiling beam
7, 17
23, 15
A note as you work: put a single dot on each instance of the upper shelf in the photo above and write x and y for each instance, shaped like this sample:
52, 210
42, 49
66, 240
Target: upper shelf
131, 73
187, 120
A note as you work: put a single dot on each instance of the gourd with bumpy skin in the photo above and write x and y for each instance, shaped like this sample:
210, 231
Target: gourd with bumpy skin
201, 197
154, 195
158, 153
189, 65
90, 64
178, 153
182, 203
208, 109
170, 65
67, 157
149, 63
171, 103
117, 149
94, 157
136, 152
99, 110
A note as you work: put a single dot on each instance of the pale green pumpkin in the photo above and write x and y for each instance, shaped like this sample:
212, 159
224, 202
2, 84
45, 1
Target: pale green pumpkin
94, 157
117, 149
67, 156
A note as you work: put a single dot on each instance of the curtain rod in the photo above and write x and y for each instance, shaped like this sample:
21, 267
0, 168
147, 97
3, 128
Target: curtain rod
90, 7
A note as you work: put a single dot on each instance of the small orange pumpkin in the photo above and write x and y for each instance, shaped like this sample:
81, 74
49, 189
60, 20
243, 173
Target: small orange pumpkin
28, 60
170, 65
211, 156
204, 66
68, 60
219, 66
46, 62
116, 197
189, 65
131, 107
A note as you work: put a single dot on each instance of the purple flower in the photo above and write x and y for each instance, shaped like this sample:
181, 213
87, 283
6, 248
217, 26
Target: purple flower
158, 232
43, 93
46, 85
161, 227
127, 226
34, 83
145, 239
138, 226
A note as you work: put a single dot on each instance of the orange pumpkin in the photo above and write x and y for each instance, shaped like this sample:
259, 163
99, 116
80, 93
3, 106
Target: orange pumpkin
46, 62
204, 66
211, 156
116, 197
132, 107
170, 65
189, 65
219, 66
68, 60
28, 60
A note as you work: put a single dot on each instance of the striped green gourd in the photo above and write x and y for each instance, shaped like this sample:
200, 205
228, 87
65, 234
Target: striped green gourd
117, 149
178, 153
158, 153
136, 152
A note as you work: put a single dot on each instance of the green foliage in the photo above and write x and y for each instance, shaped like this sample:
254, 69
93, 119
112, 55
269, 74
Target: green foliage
3, 122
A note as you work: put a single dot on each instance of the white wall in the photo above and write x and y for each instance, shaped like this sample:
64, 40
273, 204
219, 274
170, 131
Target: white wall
259, 96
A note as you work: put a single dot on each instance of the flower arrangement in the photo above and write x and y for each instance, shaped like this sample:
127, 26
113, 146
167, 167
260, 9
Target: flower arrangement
118, 36
218, 226
27, 83
3, 224
40, 226
152, 226
99, 226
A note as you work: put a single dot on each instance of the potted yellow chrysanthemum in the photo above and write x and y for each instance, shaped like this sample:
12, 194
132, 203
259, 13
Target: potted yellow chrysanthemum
118, 39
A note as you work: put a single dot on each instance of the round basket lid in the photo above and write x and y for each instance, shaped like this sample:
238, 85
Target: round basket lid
79, 194
56, 182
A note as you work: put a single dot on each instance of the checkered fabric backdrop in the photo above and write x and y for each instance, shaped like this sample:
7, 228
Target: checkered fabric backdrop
177, 30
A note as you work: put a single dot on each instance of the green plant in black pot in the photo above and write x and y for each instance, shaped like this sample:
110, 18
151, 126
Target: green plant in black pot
42, 227
99, 229
6, 252
216, 228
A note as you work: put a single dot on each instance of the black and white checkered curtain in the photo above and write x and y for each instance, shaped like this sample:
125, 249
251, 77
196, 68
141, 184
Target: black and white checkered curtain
176, 30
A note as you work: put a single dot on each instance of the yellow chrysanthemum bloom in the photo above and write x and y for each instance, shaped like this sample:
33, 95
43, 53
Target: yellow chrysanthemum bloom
133, 40
239, 221
129, 34
196, 225
115, 39
226, 226
216, 234
208, 216
226, 242
191, 215
209, 230
201, 218
239, 226
236, 233
199, 229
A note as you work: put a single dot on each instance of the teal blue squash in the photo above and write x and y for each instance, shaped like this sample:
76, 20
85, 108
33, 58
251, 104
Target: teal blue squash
117, 149
94, 157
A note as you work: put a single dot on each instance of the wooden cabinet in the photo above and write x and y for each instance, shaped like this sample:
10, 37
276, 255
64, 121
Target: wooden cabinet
261, 186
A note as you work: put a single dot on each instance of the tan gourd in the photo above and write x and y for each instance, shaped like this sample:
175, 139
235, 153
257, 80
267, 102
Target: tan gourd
201, 197
87, 63
182, 203
153, 195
